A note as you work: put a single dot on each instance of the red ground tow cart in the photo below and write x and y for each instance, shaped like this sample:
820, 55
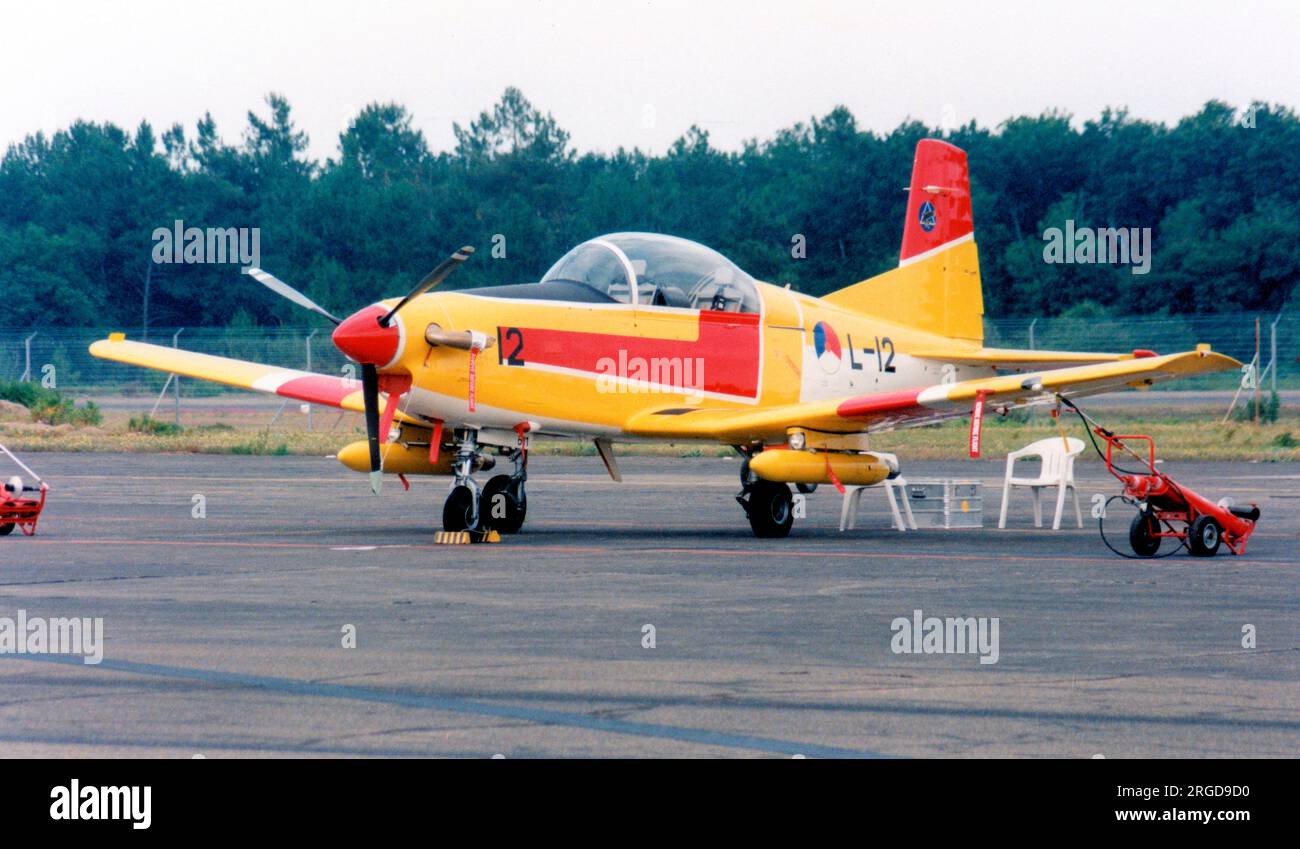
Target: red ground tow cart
18, 509
1166, 509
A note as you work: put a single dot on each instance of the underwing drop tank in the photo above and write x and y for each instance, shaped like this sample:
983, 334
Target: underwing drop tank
397, 459
786, 465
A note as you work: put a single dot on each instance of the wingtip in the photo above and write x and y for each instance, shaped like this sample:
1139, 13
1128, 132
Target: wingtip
100, 346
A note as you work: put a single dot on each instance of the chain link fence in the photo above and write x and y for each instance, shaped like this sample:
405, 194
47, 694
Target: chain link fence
60, 356
1234, 334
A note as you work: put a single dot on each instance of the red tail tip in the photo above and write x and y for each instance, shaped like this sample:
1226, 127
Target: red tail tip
938, 201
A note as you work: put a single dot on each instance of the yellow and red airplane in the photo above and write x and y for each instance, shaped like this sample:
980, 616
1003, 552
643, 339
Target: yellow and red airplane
637, 336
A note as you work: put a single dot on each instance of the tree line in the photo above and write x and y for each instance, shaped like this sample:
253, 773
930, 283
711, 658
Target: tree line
1219, 190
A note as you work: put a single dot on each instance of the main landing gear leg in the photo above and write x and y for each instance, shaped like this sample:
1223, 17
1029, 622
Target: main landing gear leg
769, 506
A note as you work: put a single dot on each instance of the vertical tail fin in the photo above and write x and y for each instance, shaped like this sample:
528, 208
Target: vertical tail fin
936, 287
938, 201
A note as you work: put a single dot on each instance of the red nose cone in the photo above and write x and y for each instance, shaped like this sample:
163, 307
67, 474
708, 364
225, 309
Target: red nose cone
361, 337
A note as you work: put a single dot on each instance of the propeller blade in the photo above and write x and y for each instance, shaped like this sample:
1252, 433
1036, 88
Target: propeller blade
433, 278
284, 290
370, 397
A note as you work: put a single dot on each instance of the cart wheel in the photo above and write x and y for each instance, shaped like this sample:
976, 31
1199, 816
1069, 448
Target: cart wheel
1142, 536
5, 530
1204, 536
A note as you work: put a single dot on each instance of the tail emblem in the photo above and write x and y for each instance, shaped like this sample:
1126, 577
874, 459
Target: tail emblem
926, 216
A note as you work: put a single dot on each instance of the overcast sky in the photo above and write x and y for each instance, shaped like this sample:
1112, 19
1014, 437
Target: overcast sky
635, 74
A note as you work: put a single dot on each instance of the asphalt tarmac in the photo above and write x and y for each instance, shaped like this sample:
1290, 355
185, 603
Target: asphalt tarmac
224, 635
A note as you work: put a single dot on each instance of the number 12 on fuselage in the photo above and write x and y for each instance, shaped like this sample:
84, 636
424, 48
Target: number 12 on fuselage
883, 351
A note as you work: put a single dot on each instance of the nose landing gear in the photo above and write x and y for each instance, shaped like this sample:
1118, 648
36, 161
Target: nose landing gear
500, 505
460, 512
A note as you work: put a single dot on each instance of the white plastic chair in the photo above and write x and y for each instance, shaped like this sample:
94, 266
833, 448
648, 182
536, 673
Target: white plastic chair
1057, 470
853, 494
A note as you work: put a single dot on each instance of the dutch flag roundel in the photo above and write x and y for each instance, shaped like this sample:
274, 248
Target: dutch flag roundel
827, 346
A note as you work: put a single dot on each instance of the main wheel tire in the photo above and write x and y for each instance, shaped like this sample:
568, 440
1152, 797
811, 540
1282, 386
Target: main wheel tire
806, 488
1141, 535
458, 511
1204, 536
771, 510
503, 505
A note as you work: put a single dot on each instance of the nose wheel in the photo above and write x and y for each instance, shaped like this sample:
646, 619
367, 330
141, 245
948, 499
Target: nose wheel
460, 511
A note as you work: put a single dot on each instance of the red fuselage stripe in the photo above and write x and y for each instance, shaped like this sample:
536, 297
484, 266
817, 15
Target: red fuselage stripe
724, 358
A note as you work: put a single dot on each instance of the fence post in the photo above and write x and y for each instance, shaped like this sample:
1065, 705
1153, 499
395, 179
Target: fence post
1256, 370
175, 343
27, 347
1272, 352
309, 406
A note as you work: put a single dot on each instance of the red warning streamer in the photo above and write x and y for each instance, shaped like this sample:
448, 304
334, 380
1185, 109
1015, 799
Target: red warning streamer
830, 473
435, 442
977, 424
473, 371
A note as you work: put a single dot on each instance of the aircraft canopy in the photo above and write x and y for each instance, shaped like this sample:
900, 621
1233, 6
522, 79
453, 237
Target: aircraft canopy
655, 270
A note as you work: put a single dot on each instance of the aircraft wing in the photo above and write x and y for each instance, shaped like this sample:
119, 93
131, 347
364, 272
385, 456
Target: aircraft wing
913, 407
324, 389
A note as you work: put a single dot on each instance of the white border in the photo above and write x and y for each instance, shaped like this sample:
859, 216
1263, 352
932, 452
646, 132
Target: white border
936, 251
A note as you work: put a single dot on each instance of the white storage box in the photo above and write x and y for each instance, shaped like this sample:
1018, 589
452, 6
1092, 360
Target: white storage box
946, 503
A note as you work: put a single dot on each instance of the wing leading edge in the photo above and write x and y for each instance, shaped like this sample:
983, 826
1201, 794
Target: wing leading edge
1013, 359
340, 392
